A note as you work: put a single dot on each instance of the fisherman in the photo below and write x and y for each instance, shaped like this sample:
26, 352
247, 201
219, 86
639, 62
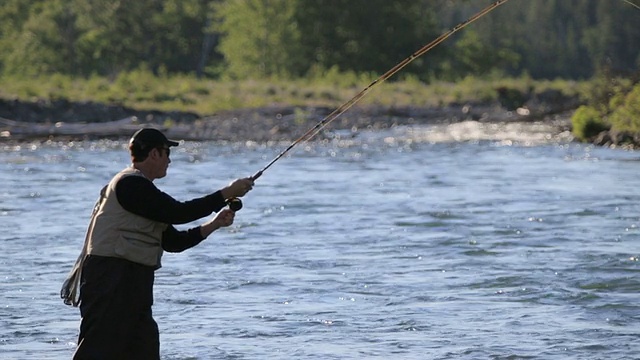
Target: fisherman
131, 225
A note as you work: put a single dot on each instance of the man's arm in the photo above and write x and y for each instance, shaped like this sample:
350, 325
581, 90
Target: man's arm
141, 197
174, 240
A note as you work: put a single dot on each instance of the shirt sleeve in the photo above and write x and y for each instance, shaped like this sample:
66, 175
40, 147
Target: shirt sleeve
174, 240
141, 197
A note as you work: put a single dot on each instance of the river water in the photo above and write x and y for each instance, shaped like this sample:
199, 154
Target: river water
454, 242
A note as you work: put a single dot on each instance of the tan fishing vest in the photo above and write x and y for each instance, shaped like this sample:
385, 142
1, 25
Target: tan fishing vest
119, 233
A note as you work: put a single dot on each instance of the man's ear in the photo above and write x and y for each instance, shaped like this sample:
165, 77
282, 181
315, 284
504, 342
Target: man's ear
154, 153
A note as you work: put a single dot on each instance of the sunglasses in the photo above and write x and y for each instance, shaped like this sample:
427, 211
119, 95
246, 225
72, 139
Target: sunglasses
166, 149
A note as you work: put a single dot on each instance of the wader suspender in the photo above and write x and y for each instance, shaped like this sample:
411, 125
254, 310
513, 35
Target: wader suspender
70, 292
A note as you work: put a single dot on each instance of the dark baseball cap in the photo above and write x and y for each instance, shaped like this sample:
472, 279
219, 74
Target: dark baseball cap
147, 138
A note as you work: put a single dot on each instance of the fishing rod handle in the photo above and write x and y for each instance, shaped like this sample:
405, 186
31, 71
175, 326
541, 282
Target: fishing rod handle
235, 203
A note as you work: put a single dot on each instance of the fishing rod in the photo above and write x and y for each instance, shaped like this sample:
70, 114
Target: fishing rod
632, 4
235, 204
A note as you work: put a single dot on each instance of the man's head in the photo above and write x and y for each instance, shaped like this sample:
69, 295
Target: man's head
149, 150
145, 140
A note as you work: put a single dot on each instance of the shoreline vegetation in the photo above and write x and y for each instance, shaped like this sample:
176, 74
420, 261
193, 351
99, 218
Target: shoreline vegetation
65, 108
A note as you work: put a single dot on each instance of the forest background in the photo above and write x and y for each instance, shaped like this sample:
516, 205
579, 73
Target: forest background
210, 55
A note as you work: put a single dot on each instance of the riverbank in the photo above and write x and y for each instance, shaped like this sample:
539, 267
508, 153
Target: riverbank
61, 119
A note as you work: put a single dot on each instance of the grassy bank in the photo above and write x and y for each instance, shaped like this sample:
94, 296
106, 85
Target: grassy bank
144, 91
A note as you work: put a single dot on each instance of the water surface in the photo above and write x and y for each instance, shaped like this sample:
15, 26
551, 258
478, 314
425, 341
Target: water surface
455, 242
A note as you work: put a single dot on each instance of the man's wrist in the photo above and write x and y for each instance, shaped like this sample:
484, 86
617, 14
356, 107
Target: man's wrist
225, 193
207, 229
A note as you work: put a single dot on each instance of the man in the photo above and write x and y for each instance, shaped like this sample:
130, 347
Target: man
131, 225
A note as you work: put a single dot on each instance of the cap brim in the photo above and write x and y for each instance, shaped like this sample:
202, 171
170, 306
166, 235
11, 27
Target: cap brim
172, 143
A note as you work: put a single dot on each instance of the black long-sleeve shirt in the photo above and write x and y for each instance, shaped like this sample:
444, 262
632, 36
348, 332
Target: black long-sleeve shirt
141, 197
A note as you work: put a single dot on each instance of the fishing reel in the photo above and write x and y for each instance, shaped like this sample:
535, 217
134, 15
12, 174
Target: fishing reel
234, 204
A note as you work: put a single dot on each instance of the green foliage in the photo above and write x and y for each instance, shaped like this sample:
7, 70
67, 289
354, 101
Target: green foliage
587, 122
342, 79
474, 56
44, 45
615, 99
82, 37
626, 111
182, 40
291, 39
370, 38
604, 88
260, 40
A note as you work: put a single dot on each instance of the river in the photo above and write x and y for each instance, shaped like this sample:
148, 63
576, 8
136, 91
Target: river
451, 242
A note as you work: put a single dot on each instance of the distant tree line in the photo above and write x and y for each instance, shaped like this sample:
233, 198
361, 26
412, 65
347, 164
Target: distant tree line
240, 39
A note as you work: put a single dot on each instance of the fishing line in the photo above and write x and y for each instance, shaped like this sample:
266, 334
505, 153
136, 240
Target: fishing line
344, 107
235, 204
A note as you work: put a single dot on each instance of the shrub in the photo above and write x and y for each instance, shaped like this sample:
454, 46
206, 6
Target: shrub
626, 112
587, 123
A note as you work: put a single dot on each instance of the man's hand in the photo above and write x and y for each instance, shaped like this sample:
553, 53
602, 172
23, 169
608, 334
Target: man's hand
237, 188
223, 218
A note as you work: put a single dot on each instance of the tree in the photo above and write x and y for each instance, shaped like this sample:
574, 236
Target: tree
370, 38
259, 37
474, 56
180, 28
45, 43
610, 38
290, 38
117, 35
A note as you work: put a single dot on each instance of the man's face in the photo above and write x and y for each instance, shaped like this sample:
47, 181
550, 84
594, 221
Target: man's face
161, 160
